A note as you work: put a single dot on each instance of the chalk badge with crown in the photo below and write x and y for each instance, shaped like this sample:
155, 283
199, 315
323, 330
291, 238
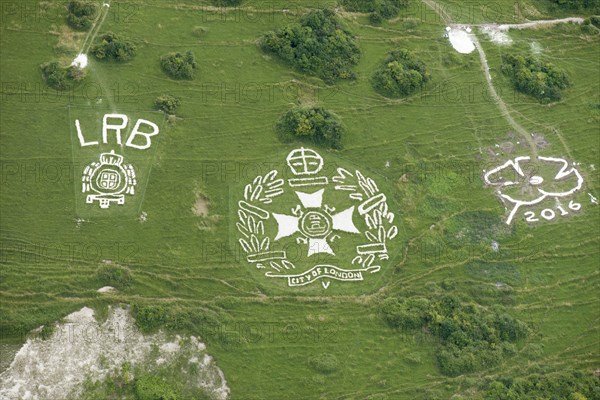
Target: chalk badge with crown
315, 224
109, 180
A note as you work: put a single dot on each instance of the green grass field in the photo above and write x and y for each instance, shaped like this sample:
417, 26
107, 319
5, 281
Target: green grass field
427, 153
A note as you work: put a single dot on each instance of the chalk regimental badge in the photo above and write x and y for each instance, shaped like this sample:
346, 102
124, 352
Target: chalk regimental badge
108, 181
303, 212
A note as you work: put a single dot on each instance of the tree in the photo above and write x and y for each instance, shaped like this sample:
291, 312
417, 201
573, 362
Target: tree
401, 74
313, 124
59, 77
319, 45
543, 81
110, 47
81, 14
178, 65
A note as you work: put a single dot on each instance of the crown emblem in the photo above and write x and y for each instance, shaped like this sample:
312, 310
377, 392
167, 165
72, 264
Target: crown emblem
108, 181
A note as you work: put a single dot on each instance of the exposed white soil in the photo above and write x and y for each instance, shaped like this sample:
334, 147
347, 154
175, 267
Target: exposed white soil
81, 348
106, 289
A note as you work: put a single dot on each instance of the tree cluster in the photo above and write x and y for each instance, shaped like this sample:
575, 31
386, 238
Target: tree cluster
313, 124
592, 5
179, 65
567, 385
81, 14
60, 77
471, 337
378, 9
401, 74
109, 46
543, 81
319, 45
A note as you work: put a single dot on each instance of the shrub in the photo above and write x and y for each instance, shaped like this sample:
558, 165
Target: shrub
471, 337
81, 14
154, 388
401, 74
59, 77
227, 3
378, 9
167, 103
110, 47
324, 363
178, 65
318, 46
568, 385
114, 275
149, 317
543, 81
311, 123
593, 5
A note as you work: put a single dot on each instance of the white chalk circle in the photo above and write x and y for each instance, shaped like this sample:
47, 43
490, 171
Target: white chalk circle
536, 180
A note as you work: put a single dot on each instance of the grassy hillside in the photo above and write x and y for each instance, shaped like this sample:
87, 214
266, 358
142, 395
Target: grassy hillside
427, 152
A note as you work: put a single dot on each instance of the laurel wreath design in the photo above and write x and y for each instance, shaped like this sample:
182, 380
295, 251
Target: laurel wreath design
262, 190
362, 189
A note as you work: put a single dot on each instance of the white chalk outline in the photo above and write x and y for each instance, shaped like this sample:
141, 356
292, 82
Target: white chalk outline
264, 189
515, 164
126, 185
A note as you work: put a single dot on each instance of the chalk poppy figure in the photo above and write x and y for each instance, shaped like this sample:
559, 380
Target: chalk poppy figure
526, 182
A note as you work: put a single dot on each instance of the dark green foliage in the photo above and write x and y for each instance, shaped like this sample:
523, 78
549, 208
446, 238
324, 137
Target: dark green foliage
110, 47
149, 387
167, 103
319, 46
178, 65
401, 74
324, 363
595, 20
314, 124
150, 317
114, 275
543, 81
81, 14
567, 385
379, 9
59, 77
226, 3
593, 5
471, 337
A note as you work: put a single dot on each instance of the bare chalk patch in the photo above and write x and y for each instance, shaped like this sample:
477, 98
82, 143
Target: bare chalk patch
460, 39
81, 348
81, 61
496, 35
201, 205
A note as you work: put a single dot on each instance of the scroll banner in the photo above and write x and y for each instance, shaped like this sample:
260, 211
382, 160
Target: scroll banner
325, 271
